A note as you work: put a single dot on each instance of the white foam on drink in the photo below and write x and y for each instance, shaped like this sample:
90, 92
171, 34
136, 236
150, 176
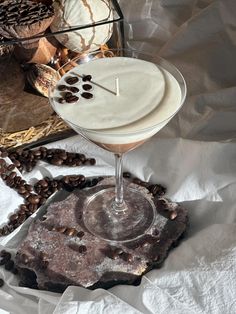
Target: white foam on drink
149, 96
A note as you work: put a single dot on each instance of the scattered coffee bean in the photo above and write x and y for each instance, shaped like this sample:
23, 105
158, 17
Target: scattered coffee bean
33, 199
87, 86
72, 80
87, 95
80, 234
9, 265
82, 249
127, 257
87, 78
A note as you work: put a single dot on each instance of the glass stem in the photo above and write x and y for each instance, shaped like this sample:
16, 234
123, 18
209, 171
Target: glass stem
119, 200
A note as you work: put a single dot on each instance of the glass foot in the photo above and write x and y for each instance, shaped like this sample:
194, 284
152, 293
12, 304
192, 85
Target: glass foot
125, 224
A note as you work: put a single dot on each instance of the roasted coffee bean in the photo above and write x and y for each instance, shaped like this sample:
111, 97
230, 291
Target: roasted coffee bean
80, 234
155, 232
62, 87
21, 219
12, 175
74, 89
127, 257
17, 163
9, 265
24, 259
173, 214
21, 189
72, 80
87, 95
56, 161
126, 174
11, 167
72, 99
13, 217
1, 282
87, 78
4, 154
33, 199
61, 100
87, 87
29, 187
154, 189
82, 249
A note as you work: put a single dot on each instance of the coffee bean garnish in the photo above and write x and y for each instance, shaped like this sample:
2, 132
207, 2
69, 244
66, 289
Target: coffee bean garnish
87, 95
61, 100
67, 95
87, 78
72, 80
87, 86
62, 88
74, 89
72, 99
1, 282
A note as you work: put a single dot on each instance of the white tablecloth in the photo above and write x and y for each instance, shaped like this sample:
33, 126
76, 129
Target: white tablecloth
194, 156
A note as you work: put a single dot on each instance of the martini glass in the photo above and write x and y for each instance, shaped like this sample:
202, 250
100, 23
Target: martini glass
122, 79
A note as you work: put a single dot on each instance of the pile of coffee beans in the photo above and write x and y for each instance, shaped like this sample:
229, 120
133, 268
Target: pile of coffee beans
26, 160
37, 195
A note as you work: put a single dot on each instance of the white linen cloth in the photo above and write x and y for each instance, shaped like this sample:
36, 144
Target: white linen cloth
194, 156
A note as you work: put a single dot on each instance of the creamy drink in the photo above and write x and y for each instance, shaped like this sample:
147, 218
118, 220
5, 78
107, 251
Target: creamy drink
118, 103
87, 98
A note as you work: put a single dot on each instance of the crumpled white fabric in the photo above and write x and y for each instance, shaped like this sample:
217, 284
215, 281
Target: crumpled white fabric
194, 156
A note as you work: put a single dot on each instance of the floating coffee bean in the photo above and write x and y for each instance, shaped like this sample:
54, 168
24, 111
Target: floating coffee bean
87, 86
66, 95
72, 99
62, 88
82, 249
1, 282
87, 95
87, 78
61, 100
72, 80
74, 89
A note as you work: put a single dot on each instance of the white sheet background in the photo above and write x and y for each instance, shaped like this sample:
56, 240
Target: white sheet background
194, 156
